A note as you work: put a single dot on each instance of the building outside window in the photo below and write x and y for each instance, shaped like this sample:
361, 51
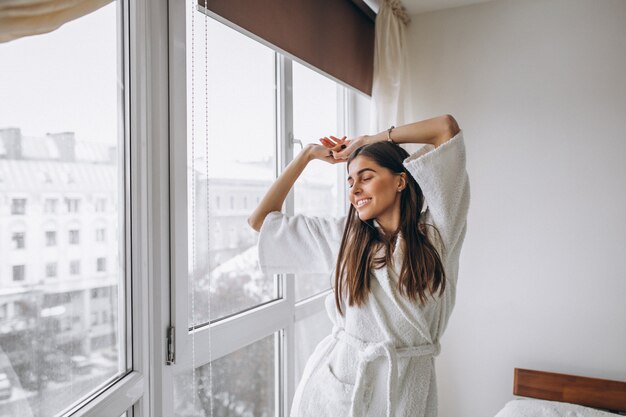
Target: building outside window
74, 267
51, 238
18, 272
72, 205
18, 206
74, 237
50, 205
101, 264
51, 270
100, 235
18, 239
100, 205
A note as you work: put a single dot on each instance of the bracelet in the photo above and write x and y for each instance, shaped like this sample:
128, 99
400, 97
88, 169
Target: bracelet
389, 134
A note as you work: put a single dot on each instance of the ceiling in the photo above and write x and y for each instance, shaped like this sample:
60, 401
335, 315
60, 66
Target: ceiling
421, 6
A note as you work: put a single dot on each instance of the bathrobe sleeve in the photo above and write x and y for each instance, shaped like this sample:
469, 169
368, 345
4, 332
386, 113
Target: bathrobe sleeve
299, 244
442, 176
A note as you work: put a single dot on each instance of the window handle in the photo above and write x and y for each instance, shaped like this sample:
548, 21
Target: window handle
294, 141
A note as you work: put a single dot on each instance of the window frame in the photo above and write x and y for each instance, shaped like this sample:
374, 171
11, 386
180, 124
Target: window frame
130, 393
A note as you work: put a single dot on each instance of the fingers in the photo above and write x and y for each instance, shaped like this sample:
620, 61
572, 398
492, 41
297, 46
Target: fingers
336, 145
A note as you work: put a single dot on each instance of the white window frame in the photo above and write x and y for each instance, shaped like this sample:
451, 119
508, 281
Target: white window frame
169, 188
131, 392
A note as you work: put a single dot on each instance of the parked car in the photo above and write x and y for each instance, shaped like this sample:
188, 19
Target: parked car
6, 388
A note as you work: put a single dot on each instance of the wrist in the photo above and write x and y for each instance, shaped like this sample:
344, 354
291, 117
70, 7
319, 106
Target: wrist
382, 136
306, 154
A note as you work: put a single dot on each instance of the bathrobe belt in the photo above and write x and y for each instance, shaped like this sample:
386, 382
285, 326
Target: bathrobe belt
368, 351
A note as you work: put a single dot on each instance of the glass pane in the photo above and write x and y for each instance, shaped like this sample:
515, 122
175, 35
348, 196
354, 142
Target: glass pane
62, 322
243, 384
315, 110
241, 141
309, 332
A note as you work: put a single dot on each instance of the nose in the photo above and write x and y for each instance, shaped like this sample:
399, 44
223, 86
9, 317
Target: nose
355, 190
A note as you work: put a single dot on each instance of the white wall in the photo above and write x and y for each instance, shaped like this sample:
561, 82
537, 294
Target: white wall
539, 88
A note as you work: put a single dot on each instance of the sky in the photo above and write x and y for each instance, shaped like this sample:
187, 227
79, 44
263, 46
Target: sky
65, 80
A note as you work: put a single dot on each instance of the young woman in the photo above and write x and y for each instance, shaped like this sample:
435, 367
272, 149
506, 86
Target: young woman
394, 259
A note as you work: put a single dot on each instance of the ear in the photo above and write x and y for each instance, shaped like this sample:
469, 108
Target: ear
402, 182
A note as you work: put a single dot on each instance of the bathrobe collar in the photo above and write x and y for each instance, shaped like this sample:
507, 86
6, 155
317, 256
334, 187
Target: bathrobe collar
388, 278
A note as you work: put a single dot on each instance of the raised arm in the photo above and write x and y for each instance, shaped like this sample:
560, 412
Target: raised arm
277, 193
435, 131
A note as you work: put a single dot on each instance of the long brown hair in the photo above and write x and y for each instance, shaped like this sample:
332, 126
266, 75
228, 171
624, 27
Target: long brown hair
422, 268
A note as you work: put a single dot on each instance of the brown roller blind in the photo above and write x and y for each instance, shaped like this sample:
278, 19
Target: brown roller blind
332, 35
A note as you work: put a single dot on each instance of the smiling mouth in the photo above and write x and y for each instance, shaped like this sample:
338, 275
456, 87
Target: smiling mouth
362, 202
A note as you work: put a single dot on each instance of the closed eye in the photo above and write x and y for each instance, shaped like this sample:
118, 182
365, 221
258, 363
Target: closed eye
364, 179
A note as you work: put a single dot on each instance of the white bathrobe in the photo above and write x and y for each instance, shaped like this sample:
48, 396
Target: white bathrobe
379, 358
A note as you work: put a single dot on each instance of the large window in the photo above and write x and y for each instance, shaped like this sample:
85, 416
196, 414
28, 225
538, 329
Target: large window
240, 160
62, 144
248, 109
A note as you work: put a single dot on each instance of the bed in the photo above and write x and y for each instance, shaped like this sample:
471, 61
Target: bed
547, 394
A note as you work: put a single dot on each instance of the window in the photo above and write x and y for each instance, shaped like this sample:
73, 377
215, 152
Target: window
101, 264
51, 270
51, 238
18, 272
74, 267
72, 205
18, 240
69, 153
215, 262
253, 70
100, 235
18, 206
95, 318
50, 205
100, 205
256, 359
73, 237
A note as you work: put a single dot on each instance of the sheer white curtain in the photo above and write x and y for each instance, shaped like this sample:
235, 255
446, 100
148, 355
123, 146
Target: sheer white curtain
391, 90
19, 18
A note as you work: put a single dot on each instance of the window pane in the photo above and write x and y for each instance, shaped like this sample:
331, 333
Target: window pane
59, 343
243, 384
241, 142
317, 191
309, 332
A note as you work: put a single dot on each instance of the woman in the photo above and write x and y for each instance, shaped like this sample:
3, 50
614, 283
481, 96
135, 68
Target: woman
394, 259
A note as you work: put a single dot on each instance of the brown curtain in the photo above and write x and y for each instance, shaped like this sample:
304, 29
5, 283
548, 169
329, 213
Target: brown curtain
334, 36
19, 18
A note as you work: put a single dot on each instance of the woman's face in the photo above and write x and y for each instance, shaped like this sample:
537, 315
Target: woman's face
374, 190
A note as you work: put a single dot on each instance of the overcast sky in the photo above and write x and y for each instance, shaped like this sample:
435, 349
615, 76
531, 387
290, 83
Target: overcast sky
65, 80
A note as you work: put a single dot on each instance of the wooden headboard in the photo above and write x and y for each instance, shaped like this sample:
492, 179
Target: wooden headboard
592, 392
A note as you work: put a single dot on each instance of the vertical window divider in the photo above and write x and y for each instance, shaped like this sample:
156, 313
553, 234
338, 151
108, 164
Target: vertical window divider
285, 384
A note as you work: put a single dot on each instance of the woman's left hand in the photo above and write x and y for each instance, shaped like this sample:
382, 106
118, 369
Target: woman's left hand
342, 148
335, 144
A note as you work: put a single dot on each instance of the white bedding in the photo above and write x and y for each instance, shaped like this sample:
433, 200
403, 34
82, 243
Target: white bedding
530, 407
